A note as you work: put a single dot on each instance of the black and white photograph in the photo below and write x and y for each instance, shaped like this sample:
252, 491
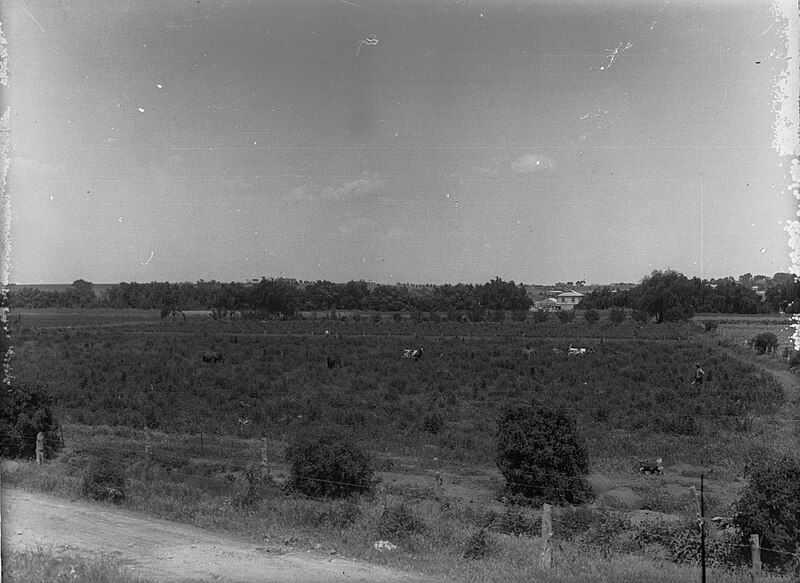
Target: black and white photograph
400, 291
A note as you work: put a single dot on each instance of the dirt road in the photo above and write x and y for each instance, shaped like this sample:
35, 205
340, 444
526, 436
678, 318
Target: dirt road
167, 551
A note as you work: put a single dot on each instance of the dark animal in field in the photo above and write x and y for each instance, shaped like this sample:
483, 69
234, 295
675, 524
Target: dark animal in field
213, 356
648, 467
415, 353
723, 522
333, 362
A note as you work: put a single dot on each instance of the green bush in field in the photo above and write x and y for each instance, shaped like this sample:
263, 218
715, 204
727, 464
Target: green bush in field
540, 316
591, 316
565, 316
25, 410
480, 544
770, 506
541, 455
764, 341
104, 480
617, 315
400, 521
326, 462
710, 325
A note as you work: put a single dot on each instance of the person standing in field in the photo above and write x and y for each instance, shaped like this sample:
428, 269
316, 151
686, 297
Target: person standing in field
698, 375
40, 448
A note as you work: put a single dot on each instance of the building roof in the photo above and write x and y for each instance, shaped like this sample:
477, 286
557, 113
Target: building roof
570, 294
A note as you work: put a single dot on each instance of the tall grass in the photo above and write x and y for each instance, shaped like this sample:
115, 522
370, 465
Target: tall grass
47, 566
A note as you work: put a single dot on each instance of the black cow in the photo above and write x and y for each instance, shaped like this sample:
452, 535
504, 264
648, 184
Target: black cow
333, 362
651, 467
213, 356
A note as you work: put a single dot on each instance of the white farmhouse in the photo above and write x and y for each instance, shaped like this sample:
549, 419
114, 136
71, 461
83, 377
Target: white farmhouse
568, 300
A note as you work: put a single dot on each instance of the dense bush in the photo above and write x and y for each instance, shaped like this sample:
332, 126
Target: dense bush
710, 325
770, 506
640, 316
104, 480
541, 455
565, 316
399, 521
617, 315
25, 410
540, 316
326, 462
764, 341
480, 544
591, 316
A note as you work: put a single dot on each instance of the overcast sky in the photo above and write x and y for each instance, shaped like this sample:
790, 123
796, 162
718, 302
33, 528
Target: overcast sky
429, 141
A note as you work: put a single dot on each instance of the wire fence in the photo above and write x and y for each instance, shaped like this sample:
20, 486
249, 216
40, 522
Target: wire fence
237, 489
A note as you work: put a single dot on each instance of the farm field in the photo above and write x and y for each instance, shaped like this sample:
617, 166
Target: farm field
119, 387
740, 328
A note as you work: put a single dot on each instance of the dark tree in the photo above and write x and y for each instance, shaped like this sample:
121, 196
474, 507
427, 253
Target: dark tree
770, 506
541, 455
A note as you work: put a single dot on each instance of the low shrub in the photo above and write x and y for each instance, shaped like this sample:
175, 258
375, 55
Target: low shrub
764, 342
259, 485
399, 521
770, 506
25, 410
515, 521
618, 315
326, 462
710, 325
104, 480
433, 422
565, 316
480, 544
591, 316
541, 316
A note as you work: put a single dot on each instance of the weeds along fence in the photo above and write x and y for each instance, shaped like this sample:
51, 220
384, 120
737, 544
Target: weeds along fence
239, 477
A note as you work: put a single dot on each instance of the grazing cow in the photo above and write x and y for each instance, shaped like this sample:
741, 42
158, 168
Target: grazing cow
327, 332
527, 351
333, 362
212, 356
576, 351
415, 353
648, 467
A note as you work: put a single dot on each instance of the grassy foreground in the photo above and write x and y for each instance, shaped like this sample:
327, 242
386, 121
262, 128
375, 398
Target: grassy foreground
46, 566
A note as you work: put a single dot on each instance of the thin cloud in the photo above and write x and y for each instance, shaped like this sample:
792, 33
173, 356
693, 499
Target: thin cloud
369, 187
300, 194
31, 167
532, 164
355, 189
356, 227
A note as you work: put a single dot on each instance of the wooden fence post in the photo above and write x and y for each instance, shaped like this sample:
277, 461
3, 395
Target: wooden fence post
546, 554
755, 558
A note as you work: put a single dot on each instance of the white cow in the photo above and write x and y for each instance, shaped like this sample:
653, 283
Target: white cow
415, 353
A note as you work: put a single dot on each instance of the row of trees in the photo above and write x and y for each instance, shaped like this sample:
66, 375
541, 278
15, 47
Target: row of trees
284, 296
670, 295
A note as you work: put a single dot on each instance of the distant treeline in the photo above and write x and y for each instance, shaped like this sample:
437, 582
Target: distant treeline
672, 295
667, 294
283, 296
